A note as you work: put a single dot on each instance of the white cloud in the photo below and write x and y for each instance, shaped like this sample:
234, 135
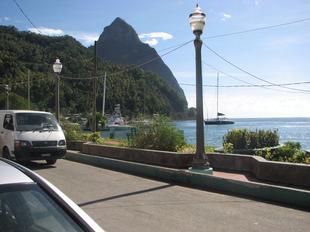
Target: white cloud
5, 18
85, 38
225, 16
151, 42
47, 31
154, 37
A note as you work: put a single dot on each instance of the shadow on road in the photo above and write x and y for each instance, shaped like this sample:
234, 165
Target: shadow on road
125, 195
37, 165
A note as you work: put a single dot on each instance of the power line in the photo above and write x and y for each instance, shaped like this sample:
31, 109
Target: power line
248, 86
76, 78
258, 29
216, 69
147, 62
252, 75
21, 10
264, 87
134, 66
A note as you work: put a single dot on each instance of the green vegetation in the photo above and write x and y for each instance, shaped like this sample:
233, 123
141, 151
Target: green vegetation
159, 135
289, 152
262, 143
228, 148
72, 131
191, 149
135, 89
245, 139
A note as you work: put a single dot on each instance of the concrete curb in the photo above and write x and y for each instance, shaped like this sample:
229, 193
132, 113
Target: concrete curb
289, 196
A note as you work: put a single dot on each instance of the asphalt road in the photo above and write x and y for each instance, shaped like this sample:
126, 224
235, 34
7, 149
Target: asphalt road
121, 202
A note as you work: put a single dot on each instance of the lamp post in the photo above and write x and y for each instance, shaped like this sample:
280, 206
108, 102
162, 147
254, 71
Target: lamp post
200, 161
57, 66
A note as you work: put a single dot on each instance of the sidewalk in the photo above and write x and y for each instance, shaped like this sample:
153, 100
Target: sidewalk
246, 177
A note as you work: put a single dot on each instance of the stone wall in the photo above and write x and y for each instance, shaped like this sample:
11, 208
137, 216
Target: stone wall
278, 172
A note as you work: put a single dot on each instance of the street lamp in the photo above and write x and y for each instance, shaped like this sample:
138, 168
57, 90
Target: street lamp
57, 66
197, 20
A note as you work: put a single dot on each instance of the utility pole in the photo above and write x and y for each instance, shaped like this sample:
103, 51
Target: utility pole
7, 93
94, 90
28, 89
103, 94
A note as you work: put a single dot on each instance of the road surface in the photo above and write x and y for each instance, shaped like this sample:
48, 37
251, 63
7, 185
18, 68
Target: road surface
122, 202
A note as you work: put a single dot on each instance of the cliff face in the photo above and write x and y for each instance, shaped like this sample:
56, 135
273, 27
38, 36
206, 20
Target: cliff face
120, 44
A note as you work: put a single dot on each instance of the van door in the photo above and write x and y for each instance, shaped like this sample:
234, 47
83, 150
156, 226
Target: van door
8, 133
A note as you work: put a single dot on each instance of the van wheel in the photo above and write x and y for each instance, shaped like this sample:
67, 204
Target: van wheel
50, 162
6, 153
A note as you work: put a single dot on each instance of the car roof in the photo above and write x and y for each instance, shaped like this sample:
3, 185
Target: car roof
11, 175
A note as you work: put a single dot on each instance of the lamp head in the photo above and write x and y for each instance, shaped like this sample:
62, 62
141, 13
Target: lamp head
197, 20
57, 66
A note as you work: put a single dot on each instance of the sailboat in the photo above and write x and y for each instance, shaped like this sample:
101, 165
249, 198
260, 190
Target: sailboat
220, 117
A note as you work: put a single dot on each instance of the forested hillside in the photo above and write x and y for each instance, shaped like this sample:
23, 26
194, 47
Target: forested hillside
21, 53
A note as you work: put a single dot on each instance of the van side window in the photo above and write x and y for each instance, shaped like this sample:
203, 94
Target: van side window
8, 122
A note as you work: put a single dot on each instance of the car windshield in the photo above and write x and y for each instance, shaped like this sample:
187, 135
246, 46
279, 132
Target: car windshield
35, 121
26, 208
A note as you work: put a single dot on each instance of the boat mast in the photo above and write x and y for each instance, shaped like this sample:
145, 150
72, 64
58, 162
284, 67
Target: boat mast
217, 96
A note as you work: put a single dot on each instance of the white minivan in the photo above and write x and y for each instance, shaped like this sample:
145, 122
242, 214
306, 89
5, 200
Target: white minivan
31, 135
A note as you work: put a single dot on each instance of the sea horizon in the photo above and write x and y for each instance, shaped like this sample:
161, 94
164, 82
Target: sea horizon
296, 129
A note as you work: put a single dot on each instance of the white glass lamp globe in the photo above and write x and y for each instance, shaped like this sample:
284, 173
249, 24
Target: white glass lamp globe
57, 66
197, 20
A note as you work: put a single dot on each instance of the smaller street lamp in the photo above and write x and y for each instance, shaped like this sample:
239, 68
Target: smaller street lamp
57, 66
197, 21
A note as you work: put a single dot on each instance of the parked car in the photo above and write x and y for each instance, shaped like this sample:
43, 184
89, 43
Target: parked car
31, 135
29, 203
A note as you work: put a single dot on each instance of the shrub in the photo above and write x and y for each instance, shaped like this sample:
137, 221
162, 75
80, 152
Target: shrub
267, 138
245, 139
289, 152
72, 131
94, 137
159, 135
237, 138
228, 148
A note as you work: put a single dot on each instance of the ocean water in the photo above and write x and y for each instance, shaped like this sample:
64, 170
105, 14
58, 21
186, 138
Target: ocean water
290, 129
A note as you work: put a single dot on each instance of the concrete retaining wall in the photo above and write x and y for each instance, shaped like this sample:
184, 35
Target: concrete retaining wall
278, 172
159, 158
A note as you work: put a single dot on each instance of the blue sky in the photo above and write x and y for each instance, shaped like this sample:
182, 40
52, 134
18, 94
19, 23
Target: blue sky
278, 55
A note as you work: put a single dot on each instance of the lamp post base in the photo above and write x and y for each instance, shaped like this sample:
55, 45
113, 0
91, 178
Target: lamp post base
208, 170
201, 166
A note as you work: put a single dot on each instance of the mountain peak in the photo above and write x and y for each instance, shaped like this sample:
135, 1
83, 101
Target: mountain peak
119, 31
120, 44
119, 22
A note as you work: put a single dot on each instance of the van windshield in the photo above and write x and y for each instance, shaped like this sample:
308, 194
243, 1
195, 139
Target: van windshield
35, 121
